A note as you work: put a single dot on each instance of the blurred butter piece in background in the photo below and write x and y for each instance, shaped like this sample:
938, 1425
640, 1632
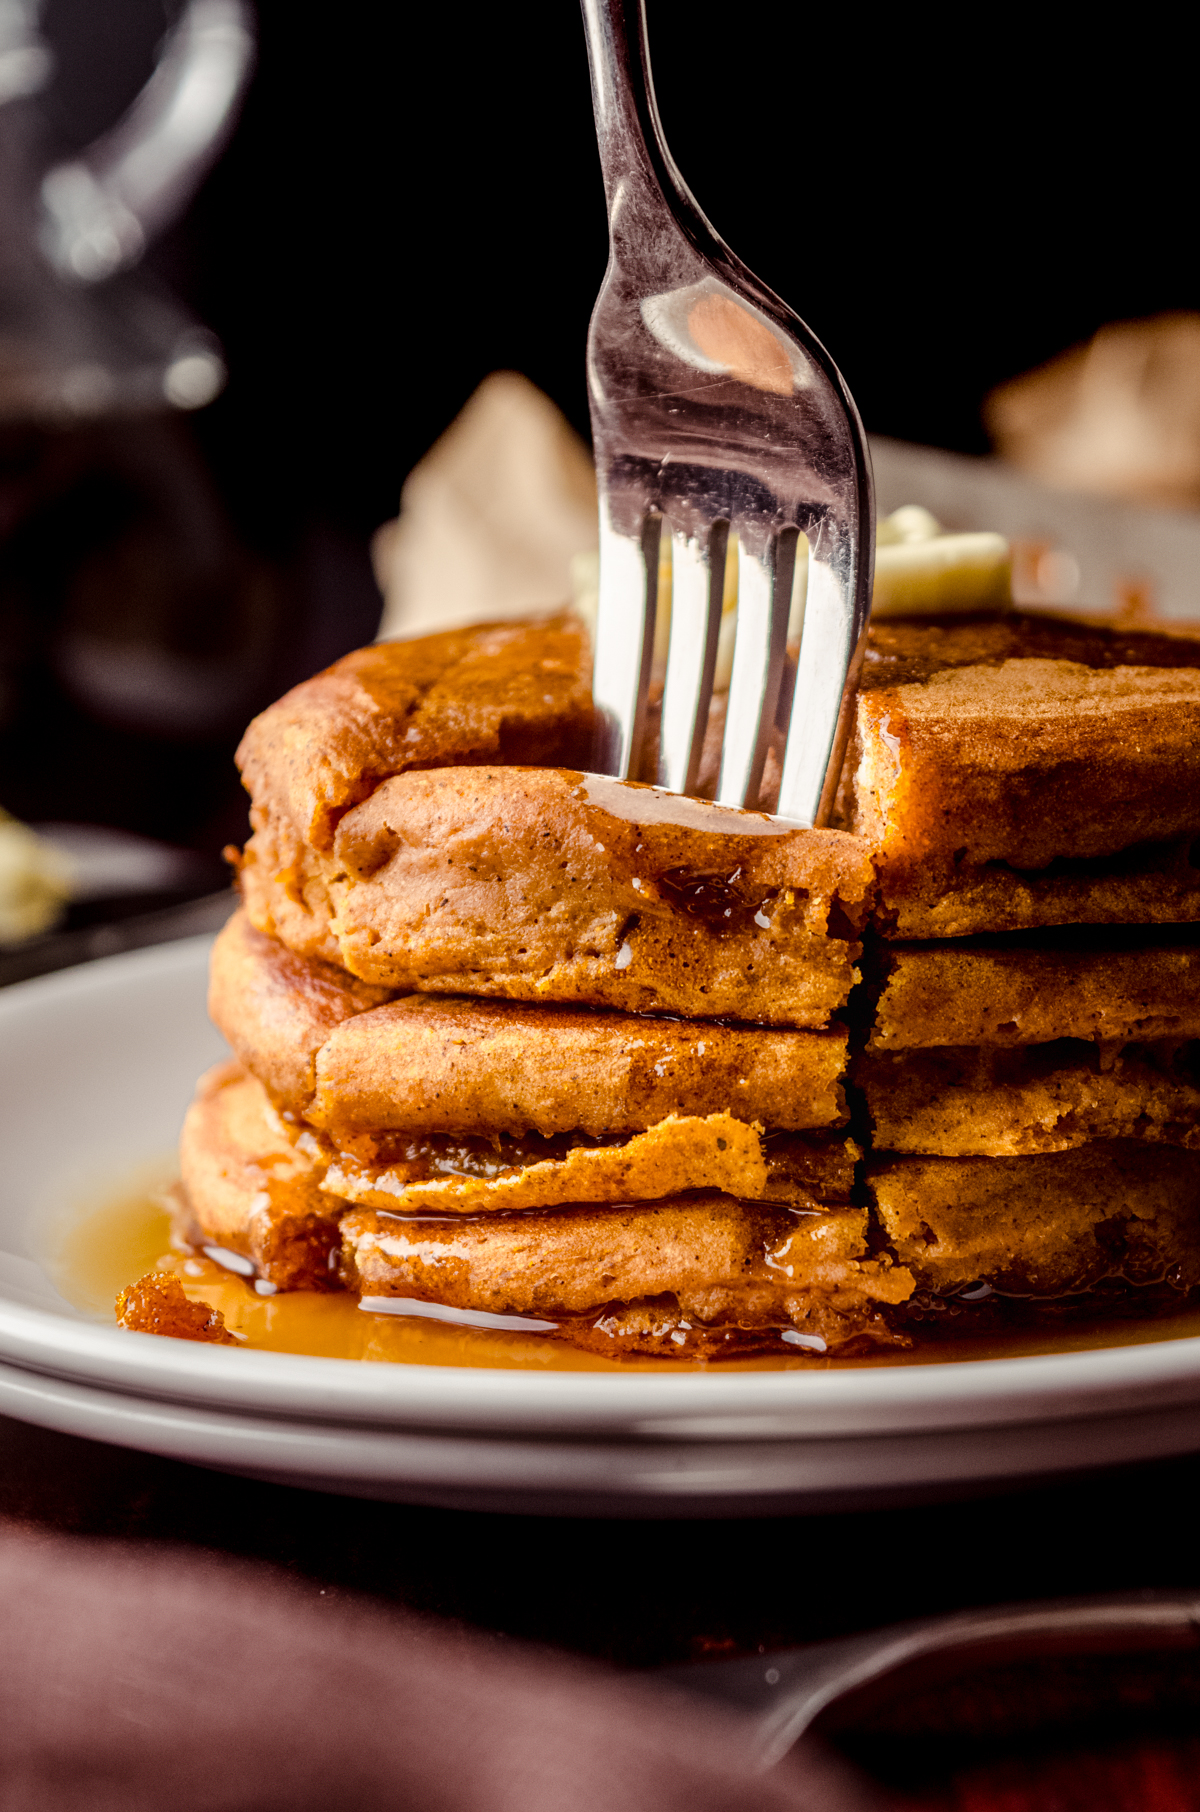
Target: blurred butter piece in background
490, 518
35, 883
54, 872
919, 568
1118, 417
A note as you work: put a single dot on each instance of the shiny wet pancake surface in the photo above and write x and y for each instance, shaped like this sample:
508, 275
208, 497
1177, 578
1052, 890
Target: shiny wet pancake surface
727, 1266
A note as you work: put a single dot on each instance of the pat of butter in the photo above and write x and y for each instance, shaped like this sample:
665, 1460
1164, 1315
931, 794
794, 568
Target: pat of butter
944, 573
918, 570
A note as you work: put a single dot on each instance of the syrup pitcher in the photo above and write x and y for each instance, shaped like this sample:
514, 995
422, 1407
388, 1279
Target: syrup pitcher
137, 627
82, 338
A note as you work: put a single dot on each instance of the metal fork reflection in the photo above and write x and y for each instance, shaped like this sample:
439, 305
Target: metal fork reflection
715, 411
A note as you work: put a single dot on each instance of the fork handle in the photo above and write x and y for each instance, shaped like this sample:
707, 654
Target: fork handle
633, 147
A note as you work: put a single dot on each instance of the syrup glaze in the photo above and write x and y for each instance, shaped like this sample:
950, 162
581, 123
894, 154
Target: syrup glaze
120, 1238
635, 803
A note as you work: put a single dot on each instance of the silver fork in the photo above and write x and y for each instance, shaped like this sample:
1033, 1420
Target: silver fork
787, 1693
715, 411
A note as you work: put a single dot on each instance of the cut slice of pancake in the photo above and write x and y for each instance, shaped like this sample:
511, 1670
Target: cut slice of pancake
1150, 884
1028, 994
646, 1270
1026, 764
1002, 1102
1047, 1226
545, 885
1013, 773
328, 1049
1029, 762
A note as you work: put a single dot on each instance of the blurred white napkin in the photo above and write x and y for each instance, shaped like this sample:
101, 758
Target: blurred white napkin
1119, 417
490, 518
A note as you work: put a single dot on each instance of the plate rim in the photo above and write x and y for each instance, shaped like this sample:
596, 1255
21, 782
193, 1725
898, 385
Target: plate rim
605, 1477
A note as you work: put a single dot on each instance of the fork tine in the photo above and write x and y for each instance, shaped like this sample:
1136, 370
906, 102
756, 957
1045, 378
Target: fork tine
626, 614
820, 716
764, 601
697, 593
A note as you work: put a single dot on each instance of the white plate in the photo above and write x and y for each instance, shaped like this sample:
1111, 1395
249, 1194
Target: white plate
96, 1067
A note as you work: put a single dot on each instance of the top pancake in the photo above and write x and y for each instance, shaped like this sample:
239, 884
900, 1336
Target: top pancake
908, 651
1007, 773
503, 693
501, 874
551, 886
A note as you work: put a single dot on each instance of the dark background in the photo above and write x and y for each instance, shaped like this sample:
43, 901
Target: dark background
417, 202
412, 199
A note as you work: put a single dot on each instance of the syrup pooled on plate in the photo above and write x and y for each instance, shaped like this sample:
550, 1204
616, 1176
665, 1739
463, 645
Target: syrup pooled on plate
120, 1238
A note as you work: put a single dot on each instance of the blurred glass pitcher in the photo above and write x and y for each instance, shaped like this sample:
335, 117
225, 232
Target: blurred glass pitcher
79, 336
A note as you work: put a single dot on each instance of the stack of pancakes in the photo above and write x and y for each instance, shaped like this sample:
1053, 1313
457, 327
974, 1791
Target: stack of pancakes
655, 1076
528, 1043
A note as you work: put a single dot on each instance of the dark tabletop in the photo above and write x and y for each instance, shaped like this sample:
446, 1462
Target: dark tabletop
638, 1593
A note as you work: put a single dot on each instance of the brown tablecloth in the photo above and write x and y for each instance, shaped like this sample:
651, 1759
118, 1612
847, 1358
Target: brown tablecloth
134, 1676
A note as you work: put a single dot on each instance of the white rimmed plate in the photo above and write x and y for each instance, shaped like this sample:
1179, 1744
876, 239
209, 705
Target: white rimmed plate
97, 1065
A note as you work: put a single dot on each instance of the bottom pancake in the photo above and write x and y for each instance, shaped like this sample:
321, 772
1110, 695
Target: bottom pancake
687, 1275
1108, 1228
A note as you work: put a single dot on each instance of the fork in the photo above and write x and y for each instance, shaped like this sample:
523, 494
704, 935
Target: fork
715, 412
787, 1693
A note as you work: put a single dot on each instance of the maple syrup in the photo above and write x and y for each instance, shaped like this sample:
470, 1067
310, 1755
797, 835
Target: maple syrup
117, 1240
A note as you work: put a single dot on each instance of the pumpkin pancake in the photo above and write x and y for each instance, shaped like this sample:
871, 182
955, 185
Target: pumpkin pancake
520, 1041
246, 1188
551, 886
1053, 1226
1004, 1101
350, 1059
701, 1265
1013, 772
1030, 993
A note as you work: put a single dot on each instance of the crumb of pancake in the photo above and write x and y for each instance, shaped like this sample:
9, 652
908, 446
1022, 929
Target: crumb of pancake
157, 1304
